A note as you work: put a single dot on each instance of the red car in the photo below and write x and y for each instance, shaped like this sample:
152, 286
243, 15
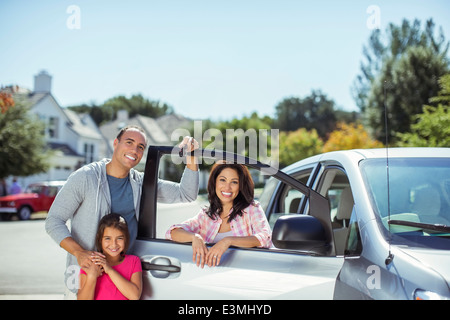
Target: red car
37, 197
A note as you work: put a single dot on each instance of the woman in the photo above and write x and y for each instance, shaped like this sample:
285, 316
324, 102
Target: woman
233, 217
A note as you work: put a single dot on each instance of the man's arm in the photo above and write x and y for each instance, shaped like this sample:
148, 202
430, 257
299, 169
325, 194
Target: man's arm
84, 257
190, 144
187, 189
63, 208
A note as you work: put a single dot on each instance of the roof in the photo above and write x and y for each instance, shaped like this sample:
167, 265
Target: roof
64, 148
155, 134
83, 126
170, 122
49, 183
355, 155
79, 123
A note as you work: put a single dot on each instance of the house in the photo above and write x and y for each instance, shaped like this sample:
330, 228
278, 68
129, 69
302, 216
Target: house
75, 138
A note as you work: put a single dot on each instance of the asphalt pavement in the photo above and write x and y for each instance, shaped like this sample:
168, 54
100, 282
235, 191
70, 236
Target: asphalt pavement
32, 265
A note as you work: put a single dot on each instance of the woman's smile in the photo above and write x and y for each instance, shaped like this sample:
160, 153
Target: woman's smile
227, 185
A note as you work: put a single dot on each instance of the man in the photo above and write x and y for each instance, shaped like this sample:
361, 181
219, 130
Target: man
15, 188
108, 186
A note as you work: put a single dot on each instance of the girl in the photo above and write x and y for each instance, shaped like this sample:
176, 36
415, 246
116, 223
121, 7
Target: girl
233, 218
113, 275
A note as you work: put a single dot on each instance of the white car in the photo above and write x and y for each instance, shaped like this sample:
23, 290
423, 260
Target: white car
350, 224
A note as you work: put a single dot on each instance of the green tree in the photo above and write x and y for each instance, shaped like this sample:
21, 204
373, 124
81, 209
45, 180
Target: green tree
136, 104
403, 87
404, 63
297, 145
240, 134
350, 136
23, 149
391, 45
96, 112
432, 127
315, 111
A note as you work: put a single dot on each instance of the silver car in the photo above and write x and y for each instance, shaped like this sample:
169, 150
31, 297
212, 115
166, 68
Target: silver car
356, 224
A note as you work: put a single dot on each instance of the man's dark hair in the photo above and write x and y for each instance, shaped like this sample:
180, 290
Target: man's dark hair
122, 131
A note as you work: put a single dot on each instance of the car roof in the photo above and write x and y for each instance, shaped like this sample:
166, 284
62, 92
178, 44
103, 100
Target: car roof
49, 183
355, 155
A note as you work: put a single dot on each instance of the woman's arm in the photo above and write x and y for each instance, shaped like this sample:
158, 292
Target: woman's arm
260, 226
216, 251
199, 249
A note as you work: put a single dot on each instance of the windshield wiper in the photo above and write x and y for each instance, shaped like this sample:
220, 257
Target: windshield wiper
425, 226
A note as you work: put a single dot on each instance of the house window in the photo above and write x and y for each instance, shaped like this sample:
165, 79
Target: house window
53, 127
88, 153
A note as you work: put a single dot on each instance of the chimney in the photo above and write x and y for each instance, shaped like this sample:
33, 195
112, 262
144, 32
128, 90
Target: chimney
42, 82
122, 118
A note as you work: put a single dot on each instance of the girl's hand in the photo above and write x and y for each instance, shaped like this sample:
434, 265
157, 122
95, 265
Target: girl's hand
216, 252
93, 271
199, 250
101, 262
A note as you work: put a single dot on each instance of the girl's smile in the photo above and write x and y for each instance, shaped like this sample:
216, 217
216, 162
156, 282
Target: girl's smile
113, 242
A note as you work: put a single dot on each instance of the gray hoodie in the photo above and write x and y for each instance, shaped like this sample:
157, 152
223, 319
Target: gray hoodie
85, 199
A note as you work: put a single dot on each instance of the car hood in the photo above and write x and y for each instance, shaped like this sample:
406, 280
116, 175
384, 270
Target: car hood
438, 260
14, 197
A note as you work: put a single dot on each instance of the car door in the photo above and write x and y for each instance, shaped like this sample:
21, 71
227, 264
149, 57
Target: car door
46, 197
170, 273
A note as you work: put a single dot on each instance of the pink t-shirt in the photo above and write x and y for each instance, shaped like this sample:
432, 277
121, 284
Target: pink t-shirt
105, 288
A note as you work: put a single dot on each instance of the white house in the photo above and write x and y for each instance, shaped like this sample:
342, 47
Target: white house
75, 138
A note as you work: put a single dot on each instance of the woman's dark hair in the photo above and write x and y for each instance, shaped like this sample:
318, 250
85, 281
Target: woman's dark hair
243, 199
116, 221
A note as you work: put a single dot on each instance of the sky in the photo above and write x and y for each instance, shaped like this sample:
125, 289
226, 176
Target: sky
207, 59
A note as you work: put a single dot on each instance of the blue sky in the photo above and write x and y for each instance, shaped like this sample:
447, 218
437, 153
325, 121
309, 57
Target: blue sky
207, 59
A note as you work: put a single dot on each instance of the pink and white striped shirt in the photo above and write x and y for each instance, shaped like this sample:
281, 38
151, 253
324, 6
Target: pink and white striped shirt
253, 222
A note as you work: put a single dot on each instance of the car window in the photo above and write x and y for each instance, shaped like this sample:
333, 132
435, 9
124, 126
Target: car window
267, 193
353, 246
34, 189
52, 191
335, 186
287, 200
419, 192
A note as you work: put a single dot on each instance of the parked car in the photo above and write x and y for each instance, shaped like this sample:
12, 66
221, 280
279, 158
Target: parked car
37, 197
350, 224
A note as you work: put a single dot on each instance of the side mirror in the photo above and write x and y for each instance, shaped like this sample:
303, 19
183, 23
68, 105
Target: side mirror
300, 232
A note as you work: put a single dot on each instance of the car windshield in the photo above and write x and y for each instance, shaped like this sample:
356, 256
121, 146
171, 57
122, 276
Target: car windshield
34, 188
418, 213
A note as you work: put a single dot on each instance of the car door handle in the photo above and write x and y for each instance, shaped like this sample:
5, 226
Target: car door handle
161, 267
